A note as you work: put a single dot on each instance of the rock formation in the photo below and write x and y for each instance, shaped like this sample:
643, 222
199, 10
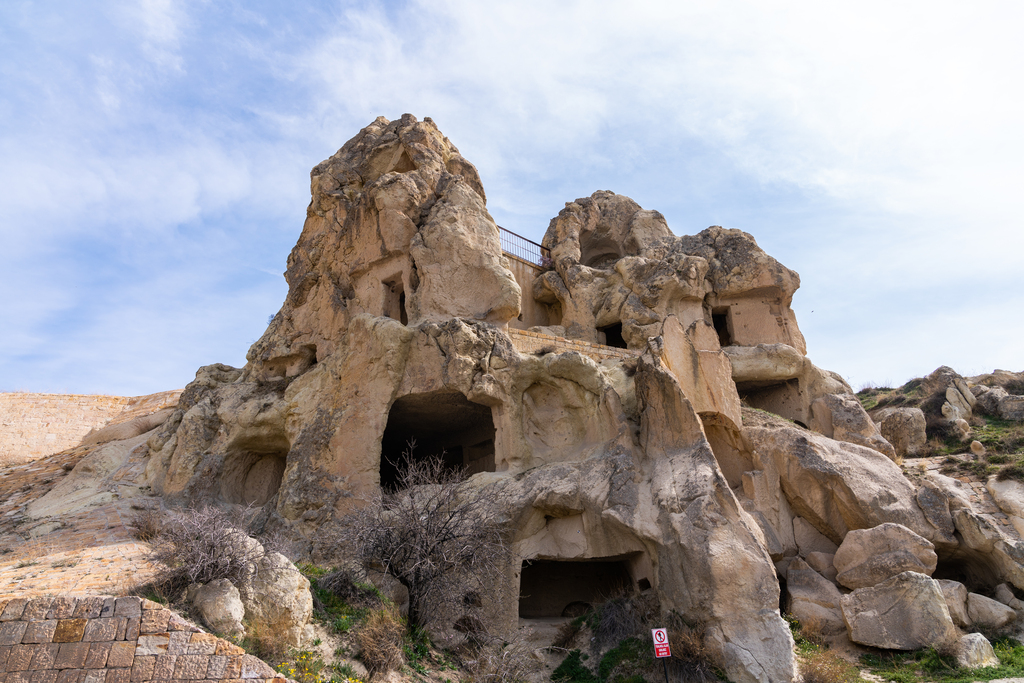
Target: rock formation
703, 460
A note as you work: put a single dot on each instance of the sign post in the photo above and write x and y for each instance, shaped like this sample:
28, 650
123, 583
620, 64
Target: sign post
661, 648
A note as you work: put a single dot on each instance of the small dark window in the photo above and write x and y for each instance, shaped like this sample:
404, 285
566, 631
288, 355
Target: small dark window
394, 300
613, 336
643, 584
720, 319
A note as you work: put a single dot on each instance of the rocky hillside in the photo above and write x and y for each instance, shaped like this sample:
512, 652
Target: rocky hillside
623, 432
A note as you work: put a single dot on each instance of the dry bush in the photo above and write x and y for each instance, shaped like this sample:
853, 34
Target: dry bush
146, 524
381, 640
826, 666
342, 583
568, 632
261, 641
200, 544
691, 659
624, 616
437, 538
501, 662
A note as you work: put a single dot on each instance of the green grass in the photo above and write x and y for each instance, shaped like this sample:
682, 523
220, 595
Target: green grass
931, 665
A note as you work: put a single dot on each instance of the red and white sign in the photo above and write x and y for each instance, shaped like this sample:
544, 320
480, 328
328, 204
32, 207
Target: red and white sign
661, 648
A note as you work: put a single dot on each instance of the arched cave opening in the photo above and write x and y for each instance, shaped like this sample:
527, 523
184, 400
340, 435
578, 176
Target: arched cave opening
569, 588
253, 471
613, 335
976, 573
441, 423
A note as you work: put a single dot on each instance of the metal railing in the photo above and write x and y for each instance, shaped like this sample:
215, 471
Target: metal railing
522, 248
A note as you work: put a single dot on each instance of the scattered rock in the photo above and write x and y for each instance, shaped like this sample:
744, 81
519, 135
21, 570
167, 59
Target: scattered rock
904, 428
955, 595
220, 605
813, 600
973, 651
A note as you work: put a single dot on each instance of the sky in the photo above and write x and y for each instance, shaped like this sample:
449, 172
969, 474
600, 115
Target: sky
155, 157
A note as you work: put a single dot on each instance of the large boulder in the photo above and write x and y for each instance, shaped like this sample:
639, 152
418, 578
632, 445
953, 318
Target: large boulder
220, 605
278, 599
955, 595
988, 613
973, 651
905, 612
813, 599
836, 486
842, 417
870, 556
904, 428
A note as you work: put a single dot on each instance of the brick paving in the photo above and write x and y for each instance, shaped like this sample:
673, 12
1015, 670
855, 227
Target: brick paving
103, 639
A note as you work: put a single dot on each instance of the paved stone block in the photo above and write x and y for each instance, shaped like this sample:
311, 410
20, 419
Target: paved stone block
254, 667
88, 608
156, 644
128, 607
122, 625
69, 630
107, 610
178, 643
191, 667
118, 675
202, 644
62, 608
45, 654
70, 676
5, 652
71, 656
150, 605
11, 632
99, 630
94, 676
40, 631
176, 623
142, 668
216, 667
14, 609
36, 609
48, 676
234, 668
132, 628
164, 668
20, 658
121, 655
19, 677
226, 648
97, 658
155, 621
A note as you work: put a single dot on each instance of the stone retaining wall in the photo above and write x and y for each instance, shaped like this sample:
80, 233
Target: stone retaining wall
35, 425
114, 640
527, 341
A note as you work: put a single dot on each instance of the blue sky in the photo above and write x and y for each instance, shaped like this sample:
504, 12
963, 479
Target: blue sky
155, 157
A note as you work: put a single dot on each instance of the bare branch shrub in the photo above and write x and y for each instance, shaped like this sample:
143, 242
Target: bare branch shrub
692, 659
381, 640
624, 616
146, 524
200, 544
437, 537
502, 662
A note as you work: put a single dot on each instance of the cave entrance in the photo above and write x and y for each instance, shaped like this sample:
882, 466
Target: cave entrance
253, 471
720, 318
441, 423
394, 300
613, 335
563, 588
781, 398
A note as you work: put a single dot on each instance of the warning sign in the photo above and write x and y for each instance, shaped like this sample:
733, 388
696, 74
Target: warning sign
661, 648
